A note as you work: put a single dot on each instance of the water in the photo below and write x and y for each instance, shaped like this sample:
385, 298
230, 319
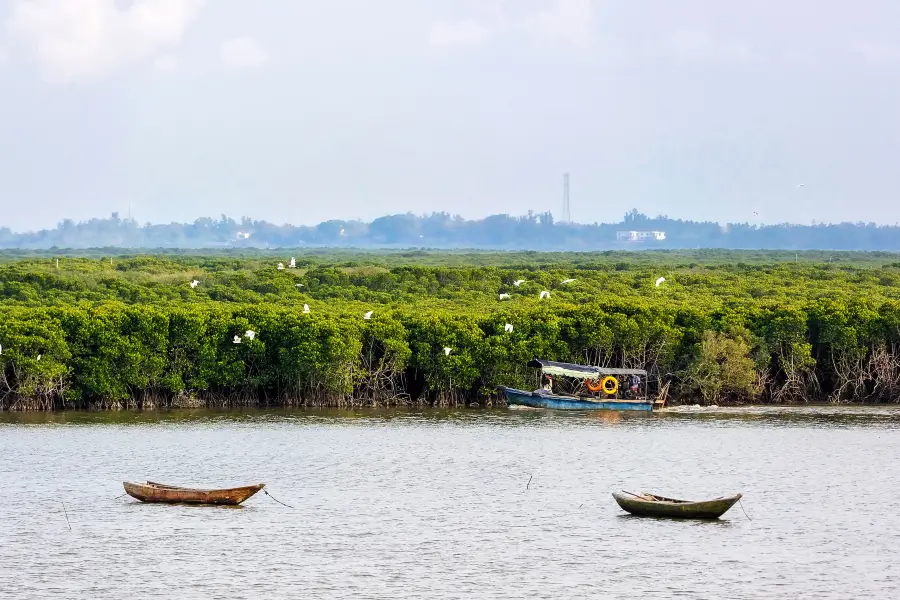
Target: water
435, 505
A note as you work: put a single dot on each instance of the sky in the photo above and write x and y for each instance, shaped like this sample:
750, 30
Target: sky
299, 111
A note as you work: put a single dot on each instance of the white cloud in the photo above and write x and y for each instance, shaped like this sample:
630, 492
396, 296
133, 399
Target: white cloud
166, 63
570, 21
567, 20
85, 39
243, 53
468, 32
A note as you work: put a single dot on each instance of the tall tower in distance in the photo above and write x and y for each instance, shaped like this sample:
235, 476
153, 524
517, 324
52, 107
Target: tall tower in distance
567, 209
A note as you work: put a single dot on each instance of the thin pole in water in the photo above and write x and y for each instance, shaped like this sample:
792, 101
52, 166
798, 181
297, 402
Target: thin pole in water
65, 512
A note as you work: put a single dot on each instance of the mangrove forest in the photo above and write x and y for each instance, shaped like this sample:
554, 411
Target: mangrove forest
391, 328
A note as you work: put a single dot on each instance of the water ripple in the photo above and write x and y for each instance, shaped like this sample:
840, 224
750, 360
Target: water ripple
416, 504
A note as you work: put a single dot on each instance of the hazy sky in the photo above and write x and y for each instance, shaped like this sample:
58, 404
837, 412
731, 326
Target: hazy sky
300, 111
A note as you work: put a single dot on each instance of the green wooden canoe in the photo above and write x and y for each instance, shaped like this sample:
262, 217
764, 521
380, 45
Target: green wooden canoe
649, 505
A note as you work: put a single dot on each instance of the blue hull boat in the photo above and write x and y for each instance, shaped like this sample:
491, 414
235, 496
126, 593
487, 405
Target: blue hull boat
516, 397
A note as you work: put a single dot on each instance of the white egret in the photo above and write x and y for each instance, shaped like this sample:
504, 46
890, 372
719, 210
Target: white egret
281, 266
447, 351
194, 283
250, 334
298, 285
519, 282
508, 327
236, 340
801, 185
1, 348
504, 296
660, 281
565, 281
368, 315
39, 356
306, 309
544, 294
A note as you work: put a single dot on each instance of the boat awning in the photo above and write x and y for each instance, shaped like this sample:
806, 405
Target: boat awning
580, 371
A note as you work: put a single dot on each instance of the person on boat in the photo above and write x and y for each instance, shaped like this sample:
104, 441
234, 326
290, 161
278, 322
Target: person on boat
548, 384
635, 385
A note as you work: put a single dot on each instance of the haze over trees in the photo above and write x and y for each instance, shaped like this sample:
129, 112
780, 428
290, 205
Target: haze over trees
442, 230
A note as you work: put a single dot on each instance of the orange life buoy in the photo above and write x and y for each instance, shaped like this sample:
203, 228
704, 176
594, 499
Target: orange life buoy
590, 385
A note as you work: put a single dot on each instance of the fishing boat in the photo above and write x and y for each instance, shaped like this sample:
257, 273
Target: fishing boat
173, 494
597, 380
650, 505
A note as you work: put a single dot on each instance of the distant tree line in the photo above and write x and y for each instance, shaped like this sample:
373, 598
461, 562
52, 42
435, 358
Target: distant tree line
442, 230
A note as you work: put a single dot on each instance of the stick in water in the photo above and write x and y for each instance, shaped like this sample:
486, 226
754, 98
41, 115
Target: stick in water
65, 512
527, 485
276, 499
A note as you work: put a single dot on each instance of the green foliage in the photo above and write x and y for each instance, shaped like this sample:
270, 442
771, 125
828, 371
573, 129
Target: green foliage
723, 367
741, 326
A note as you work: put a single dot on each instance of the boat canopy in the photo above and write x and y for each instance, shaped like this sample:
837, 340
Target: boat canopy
580, 371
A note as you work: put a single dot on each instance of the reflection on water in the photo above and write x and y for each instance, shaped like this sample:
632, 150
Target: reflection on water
438, 504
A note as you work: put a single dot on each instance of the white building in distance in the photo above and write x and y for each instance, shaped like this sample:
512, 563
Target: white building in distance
640, 236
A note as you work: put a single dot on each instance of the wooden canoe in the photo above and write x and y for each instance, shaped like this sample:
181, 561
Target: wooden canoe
649, 505
173, 494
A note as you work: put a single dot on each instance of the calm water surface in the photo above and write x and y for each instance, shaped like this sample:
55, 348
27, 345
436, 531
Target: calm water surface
435, 505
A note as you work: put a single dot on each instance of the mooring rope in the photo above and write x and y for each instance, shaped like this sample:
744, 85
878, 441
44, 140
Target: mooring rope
276, 499
117, 497
744, 511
